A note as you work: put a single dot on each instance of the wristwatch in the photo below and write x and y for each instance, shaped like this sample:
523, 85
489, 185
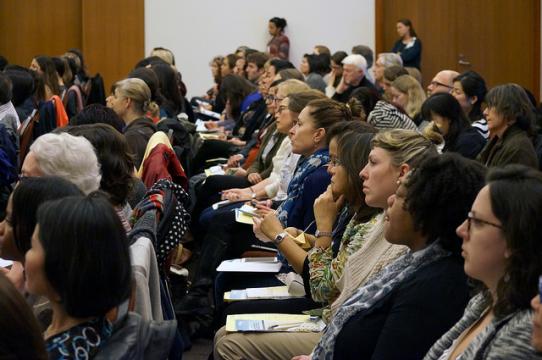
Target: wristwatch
280, 238
320, 234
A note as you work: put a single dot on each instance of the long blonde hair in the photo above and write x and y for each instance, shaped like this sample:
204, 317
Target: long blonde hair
412, 88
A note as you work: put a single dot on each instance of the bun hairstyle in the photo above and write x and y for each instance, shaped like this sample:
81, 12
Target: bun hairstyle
138, 91
279, 22
326, 112
362, 102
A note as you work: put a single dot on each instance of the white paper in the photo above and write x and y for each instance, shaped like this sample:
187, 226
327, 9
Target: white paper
240, 265
5, 263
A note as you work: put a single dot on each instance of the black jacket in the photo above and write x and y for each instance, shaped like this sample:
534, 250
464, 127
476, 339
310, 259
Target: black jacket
137, 134
406, 323
345, 96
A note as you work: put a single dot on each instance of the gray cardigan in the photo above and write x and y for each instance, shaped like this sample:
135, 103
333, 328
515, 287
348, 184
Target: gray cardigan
505, 338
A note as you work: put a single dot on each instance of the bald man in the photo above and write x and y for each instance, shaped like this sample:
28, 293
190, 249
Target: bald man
443, 82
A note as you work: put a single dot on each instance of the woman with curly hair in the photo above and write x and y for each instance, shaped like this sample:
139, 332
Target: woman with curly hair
502, 250
400, 312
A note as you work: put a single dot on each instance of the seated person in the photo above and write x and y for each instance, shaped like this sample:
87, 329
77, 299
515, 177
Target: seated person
400, 311
448, 119
501, 248
131, 100
354, 69
393, 154
70, 157
70, 235
20, 335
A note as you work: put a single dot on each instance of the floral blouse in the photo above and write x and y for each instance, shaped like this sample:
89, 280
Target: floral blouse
325, 270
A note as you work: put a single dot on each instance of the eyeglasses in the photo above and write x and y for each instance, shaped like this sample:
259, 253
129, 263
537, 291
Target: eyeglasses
334, 162
436, 83
271, 98
471, 219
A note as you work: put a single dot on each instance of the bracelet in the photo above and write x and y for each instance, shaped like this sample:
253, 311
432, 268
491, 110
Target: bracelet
320, 234
253, 196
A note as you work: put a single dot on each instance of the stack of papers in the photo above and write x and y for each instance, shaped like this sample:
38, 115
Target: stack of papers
273, 323
274, 292
270, 265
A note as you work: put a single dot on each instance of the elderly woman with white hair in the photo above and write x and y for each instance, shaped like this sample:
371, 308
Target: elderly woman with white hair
131, 100
70, 157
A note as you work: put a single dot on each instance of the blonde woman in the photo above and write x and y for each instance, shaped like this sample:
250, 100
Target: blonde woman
408, 95
131, 100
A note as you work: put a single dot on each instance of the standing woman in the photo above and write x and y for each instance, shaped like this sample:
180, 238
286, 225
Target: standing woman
409, 47
279, 45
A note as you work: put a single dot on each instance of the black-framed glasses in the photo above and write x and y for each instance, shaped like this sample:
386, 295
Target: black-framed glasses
471, 218
436, 83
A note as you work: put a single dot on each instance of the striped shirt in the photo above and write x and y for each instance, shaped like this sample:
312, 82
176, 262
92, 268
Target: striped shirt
387, 116
481, 127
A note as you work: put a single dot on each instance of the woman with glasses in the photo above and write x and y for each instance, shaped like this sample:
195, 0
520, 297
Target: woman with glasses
502, 252
510, 118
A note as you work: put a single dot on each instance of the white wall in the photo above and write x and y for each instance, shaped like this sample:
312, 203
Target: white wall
197, 30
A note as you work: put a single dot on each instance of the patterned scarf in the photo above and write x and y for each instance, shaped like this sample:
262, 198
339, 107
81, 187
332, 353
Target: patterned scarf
305, 167
371, 294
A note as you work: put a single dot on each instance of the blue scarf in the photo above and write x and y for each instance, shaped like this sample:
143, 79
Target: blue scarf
305, 167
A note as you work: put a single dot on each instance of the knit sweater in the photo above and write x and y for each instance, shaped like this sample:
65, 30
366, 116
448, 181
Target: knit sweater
503, 338
372, 257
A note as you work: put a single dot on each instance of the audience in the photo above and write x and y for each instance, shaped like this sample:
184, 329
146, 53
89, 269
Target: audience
20, 335
469, 88
354, 70
384, 61
501, 248
70, 236
314, 67
510, 120
363, 169
131, 99
255, 66
408, 296
70, 157
442, 82
408, 95
448, 119
336, 73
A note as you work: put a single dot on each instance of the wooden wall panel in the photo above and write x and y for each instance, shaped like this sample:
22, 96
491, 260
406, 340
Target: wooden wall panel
500, 39
113, 37
38, 27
